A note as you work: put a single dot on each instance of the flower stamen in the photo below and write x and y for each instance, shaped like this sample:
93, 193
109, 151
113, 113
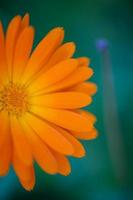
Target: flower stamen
14, 99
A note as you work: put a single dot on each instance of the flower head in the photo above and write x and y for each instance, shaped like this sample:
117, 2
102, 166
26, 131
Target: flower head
102, 44
42, 93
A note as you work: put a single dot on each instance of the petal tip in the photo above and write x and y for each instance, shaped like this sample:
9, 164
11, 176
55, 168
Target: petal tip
27, 15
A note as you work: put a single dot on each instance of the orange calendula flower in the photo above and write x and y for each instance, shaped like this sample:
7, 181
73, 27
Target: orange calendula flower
41, 97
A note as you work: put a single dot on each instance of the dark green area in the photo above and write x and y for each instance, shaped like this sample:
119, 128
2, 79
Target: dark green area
85, 21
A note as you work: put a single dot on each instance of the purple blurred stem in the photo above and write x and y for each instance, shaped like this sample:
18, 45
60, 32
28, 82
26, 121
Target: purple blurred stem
111, 119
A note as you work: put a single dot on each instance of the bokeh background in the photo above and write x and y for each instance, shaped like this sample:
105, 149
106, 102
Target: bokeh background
102, 30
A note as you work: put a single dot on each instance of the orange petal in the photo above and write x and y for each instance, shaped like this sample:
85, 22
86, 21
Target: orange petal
1, 38
25, 173
20, 142
11, 37
4, 128
65, 100
5, 144
63, 52
22, 52
49, 135
91, 118
79, 150
1, 42
43, 52
5, 157
25, 21
41, 152
64, 167
22, 170
83, 61
55, 74
86, 136
64, 118
85, 87
28, 184
79, 75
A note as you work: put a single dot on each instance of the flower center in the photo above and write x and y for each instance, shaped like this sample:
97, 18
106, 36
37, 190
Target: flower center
14, 99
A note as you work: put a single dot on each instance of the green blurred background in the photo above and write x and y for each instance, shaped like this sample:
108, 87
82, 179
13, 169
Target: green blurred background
106, 172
